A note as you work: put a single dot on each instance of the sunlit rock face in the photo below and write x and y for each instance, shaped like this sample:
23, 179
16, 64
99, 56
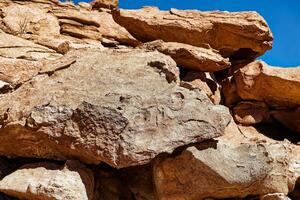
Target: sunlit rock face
101, 103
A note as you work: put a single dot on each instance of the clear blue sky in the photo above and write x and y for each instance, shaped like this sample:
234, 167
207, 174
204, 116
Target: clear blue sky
283, 16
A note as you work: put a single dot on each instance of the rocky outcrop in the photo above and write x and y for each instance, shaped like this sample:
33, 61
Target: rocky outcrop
50, 181
235, 165
138, 96
188, 56
241, 34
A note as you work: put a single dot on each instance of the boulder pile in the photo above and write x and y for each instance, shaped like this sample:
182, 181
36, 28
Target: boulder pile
101, 103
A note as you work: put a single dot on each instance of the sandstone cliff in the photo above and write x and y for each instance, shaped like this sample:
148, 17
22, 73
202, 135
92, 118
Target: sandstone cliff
101, 103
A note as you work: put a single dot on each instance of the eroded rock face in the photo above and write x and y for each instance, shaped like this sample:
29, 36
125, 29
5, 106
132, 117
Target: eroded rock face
110, 4
50, 181
125, 117
251, 112
54, 24
258, 81
204, 82
190, 57
244, 34
234, 165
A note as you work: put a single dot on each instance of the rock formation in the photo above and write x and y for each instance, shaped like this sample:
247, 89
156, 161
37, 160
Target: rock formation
101, 103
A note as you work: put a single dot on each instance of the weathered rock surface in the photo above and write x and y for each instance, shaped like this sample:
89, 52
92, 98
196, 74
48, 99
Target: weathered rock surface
124, 118
251, 112
50, 181
190, 57
51, 23
204, 82
110, 4
244, 34
15, 47
234, 165
275, 196
78, 83
278, 87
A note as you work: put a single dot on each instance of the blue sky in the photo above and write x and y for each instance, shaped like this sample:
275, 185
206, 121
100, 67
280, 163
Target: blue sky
283, 17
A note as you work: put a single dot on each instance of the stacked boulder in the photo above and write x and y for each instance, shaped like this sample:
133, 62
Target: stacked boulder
100, 103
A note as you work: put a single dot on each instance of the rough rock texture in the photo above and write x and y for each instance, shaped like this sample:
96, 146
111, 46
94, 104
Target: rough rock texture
110, 4
205, 82
244, 34
137, 96
50, 181
275, 196
258, 81
250, 112
134, 113
234, 165
53, 24
190, 57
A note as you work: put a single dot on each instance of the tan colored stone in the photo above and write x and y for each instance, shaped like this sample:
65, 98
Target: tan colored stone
50, 181
251, 112
243, 33
232, 166
16, 47
102, 22
110, 4
22, 19
275, 196
204, 82
288, 118
190, 57
133, 113
278, 87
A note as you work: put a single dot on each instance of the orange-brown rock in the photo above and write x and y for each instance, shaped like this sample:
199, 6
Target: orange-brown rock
190, 57
204, 82
237, 164
251, 112
244, 34
110, 4
278, 87
288, 118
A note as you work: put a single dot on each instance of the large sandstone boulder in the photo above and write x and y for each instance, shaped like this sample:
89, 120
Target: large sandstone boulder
190, 57
243, 34
278, 87
50, 181
122, 107
234, 165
